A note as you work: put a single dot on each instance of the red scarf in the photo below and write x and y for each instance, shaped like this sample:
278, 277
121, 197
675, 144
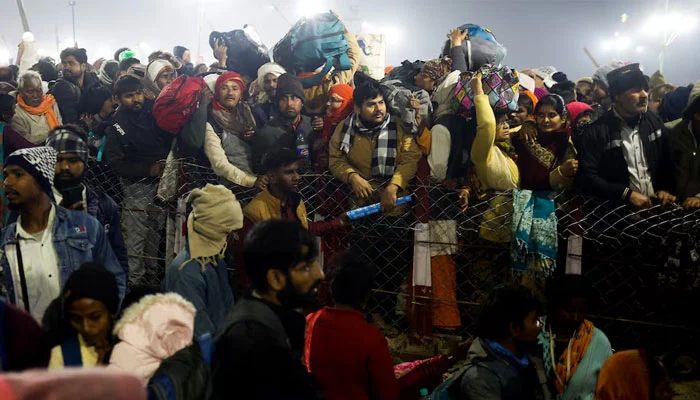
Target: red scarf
336, 116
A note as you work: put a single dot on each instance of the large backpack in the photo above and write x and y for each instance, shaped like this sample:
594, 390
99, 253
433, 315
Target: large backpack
313, 42
177, 103
406, 73
246, 53
480, 47
186, 375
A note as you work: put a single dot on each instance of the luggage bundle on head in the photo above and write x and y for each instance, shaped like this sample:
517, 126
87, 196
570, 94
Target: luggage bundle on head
405, 73
177, 103
246, 52
480, 47
314, 42
500, 85
398, 100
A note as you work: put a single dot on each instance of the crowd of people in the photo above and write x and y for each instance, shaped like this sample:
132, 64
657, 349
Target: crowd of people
74, 285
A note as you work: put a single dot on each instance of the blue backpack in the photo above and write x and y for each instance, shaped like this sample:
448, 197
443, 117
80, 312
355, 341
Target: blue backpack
312, 42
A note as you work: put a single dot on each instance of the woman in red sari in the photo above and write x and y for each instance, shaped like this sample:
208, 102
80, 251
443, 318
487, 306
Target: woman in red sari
546, 156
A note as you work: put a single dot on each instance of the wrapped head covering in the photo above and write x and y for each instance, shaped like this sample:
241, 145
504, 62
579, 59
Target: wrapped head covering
108, 70
269, 68
210, 80
223, 78
215, 213
532, 97
156, 67
335, 117
437, 69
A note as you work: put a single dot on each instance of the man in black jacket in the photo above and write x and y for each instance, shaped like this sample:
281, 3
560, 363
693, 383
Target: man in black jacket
71, 91
136, 149
685, 144
282, 130
258, 354
625, 155
71, 167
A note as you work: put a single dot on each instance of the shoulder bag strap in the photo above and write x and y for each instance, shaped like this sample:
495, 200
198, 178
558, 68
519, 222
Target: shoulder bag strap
22, 277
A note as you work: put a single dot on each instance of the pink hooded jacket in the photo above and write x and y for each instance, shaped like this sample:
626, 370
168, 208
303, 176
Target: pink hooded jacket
150, 331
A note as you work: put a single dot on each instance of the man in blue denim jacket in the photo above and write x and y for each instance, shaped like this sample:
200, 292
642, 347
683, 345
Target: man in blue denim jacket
47, 243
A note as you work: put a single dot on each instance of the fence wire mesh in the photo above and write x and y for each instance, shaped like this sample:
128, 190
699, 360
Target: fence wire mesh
435, 262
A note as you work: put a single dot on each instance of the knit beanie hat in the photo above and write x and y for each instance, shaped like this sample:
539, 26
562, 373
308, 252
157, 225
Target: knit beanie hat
230, 76
65, 140
290, 84
92, 281
108, 70
39, 162
210, 80
215, 213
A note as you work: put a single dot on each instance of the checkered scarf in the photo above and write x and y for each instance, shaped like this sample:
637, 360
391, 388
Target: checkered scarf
66, 141
39, 162
384, 154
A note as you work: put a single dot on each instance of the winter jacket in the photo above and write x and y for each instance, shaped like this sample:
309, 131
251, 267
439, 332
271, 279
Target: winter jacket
71, 99
278, 133
685, 147
206, 287
134, 143
603, 168
359, 158
150, 331
258, 355
263, 113
491, 376
77, 238
230, 157
34, 128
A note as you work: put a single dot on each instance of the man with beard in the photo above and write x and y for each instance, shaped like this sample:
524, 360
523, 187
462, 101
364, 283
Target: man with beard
258, 355
48, 242
268, 76
281, 199
71, 192
71, 90
626, 155
282, 130
136, 149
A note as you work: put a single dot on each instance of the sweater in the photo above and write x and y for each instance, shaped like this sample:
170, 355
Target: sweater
348, 357
494, 168
207, 288
230, 157
34, 128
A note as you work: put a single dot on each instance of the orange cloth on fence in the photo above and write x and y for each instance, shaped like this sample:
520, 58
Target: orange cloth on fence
579, 346
444, 278
45, 108
624, 376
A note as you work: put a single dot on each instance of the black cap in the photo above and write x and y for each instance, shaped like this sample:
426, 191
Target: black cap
625, 78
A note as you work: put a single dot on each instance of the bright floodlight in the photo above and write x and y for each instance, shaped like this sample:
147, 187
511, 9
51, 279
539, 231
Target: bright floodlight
4, 57
309, 8
639, 49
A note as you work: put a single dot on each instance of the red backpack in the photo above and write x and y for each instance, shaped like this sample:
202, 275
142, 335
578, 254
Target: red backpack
177, 102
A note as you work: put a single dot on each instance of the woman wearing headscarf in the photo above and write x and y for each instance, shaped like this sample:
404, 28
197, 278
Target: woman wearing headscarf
230, 127
79, 323
338, 107
573, 349
108, 72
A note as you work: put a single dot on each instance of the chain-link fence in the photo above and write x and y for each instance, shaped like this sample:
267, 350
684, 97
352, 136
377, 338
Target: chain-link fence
435, 262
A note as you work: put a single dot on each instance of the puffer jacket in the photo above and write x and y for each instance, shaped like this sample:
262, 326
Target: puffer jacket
150, 331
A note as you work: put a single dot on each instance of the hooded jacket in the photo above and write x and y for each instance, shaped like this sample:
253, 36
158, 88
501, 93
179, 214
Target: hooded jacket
150, 331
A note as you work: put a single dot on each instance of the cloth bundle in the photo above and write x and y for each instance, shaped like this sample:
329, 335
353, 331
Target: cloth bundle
500, 85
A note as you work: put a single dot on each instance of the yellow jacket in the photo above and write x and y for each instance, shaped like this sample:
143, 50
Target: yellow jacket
359, 159
494, 168
265, 206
